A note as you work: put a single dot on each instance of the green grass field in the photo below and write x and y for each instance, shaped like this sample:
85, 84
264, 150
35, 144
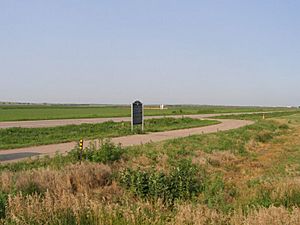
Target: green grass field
245, 176
43, 112
23, 137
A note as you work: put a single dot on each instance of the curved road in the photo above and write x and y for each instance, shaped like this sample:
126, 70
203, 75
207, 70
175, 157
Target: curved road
63, 122
22, 153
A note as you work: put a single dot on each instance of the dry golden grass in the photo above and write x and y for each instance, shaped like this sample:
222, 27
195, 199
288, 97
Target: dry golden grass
45, 210
198, 215
285, 187
75, 178
201, 215
268, 216
26, 209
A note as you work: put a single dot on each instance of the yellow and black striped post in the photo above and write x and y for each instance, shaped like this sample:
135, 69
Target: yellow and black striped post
81, 144
81, 149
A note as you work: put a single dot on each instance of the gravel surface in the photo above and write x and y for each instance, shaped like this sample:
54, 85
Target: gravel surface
15, 154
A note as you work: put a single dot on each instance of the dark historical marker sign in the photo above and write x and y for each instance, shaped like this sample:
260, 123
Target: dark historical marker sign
137, 113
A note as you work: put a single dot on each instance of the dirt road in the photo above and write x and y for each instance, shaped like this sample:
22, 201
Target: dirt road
21, 153
54, 123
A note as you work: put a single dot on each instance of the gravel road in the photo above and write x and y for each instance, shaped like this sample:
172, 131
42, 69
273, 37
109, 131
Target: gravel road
22, 153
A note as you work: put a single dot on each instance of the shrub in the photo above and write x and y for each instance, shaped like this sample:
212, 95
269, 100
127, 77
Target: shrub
183, 183
108, 152
216, 194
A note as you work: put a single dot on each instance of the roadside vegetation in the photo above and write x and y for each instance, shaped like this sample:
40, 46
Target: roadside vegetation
259, 115
23, 137
245, 176
50, 112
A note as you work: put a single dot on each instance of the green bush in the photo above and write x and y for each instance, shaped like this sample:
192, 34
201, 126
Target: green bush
182, 183
107, 152
216, 194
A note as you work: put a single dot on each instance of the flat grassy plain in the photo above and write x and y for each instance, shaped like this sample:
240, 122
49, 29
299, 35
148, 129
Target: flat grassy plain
45, 112
245, 176
24, 137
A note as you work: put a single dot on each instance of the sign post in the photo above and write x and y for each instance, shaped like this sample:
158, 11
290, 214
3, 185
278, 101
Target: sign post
137, 114
81, 149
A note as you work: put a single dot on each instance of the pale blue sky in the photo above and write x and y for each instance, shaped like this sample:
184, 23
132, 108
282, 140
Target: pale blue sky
160, 51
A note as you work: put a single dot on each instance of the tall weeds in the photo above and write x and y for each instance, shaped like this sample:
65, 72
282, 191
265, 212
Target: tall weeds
74, 178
